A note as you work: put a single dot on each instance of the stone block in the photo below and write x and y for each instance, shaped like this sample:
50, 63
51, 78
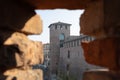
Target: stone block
63, 4
103, 52
33, 25
16, 74
101, 75
91, 21
111, 17
100, 19
18, 16
19, 51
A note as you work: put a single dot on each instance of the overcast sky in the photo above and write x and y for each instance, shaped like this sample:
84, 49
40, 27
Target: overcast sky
52, 16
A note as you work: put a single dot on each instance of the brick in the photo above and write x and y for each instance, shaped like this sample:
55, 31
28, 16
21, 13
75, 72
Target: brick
100, 19
101, 75
78, 4
33, 25
19, 51
16, 16
103, 52
91, 21
17, 74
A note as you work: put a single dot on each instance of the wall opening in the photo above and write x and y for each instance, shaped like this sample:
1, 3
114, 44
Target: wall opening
59, 17
56, 15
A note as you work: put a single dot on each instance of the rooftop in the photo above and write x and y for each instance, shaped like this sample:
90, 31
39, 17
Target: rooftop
57, 23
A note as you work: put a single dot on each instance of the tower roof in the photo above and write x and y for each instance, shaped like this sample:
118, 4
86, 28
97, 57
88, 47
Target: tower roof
57, 23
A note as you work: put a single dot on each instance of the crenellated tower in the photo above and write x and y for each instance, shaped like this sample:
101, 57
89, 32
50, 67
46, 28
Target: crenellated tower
58, 33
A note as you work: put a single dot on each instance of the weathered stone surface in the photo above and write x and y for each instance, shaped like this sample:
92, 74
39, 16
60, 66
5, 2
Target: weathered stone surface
18, 16
112, 20
100, 19
16, 74
101, 75
103, 52
33, 25
19, 51
46, 4
91, 21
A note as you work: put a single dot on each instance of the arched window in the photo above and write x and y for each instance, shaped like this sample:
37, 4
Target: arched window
61, 37
68, 54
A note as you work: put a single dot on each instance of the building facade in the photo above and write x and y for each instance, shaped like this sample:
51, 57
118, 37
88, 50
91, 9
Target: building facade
66, 53
72, 63
46, 50
58, 32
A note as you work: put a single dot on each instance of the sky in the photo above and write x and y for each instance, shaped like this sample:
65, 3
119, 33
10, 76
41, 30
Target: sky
51, 16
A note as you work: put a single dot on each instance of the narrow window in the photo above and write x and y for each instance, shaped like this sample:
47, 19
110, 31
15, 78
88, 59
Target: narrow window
61, 36
61, 27
68, 54
78, 43
68, 67
55, 27
74, 43
65, 27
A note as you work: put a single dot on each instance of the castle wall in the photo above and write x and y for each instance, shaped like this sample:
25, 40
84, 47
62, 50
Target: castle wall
72, 62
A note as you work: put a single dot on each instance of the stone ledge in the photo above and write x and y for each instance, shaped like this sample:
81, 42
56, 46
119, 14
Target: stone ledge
101, 75
103, 52
19, 51
16, 74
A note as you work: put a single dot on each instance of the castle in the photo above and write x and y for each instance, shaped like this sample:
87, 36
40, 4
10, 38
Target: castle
66, 53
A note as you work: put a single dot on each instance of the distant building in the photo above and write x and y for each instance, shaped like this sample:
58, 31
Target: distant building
66, 53
46, 50
71, 61
58, 32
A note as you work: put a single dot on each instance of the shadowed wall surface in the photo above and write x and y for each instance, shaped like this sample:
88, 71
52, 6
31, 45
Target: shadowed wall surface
100, 19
